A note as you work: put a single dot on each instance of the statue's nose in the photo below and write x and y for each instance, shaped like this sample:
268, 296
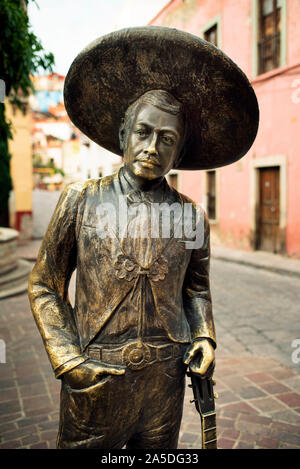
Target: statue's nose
151, 149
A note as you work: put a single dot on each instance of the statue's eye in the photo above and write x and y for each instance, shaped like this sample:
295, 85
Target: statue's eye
141, 132
168, 140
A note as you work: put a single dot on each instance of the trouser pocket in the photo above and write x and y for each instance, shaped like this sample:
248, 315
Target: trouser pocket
83, 412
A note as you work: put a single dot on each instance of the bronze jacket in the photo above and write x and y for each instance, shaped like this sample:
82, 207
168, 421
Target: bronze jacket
179, 279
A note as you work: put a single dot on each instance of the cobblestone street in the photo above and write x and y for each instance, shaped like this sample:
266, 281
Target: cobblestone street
257, 319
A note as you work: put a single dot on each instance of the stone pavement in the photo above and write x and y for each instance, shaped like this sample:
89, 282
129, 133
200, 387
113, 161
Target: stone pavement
258, 386
258, 406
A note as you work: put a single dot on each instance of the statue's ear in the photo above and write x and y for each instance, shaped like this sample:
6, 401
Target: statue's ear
122, 135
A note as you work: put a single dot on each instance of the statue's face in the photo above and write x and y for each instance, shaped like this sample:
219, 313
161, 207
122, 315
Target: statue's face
154, 142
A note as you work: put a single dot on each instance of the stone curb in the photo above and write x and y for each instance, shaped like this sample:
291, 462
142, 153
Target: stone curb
275, 269
16, 281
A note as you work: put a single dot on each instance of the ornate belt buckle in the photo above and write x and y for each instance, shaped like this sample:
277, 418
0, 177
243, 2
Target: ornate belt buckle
136, 356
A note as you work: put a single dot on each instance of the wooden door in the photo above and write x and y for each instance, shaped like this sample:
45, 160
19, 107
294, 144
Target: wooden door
269, 210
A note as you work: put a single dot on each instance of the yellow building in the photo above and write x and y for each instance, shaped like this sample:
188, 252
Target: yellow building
20, 148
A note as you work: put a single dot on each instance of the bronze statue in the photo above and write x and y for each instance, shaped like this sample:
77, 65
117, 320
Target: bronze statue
161, 98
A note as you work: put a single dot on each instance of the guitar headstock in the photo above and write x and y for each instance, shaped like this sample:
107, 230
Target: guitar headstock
203, 393
205, 405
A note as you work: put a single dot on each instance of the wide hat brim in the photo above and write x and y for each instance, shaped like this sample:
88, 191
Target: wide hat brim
113, 71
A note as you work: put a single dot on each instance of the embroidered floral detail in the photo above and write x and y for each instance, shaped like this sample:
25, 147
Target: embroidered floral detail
126, 268
158, 269
129, 270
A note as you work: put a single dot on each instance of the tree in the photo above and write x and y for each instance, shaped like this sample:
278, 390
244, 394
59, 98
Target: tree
21, 56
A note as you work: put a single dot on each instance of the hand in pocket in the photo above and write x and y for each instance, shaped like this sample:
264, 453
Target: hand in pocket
88, 373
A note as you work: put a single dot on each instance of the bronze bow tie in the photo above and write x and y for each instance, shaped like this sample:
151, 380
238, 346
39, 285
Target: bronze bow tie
138, 197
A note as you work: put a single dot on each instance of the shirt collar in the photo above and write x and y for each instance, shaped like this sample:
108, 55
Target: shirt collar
156, 192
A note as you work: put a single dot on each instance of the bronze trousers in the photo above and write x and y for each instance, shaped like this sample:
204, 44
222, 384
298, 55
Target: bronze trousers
141, 409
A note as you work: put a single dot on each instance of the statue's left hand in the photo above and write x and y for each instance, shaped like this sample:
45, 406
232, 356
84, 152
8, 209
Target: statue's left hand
200, 356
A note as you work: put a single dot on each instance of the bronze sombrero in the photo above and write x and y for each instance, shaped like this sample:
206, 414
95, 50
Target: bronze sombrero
114, 70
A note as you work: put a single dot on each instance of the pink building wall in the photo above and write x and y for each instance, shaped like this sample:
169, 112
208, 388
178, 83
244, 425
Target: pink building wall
278, 94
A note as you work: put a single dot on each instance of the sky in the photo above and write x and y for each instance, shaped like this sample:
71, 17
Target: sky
65, 27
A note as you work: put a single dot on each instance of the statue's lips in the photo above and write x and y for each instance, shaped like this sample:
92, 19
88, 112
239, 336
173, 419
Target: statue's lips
148, 162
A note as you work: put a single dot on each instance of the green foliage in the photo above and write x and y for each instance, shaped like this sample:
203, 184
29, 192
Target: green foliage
51, 164
21, 55
37, 162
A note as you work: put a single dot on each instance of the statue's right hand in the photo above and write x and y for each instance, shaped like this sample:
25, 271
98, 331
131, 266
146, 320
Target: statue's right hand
87, 374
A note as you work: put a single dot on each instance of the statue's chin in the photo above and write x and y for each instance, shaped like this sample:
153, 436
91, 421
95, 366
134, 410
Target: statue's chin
147, 170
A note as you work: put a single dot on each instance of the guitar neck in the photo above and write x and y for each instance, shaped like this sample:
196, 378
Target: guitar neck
209, 430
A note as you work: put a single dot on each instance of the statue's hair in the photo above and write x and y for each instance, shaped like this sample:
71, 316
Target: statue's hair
162, 100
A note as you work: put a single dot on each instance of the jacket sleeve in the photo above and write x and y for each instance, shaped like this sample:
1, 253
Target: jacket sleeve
49, 282
196, 290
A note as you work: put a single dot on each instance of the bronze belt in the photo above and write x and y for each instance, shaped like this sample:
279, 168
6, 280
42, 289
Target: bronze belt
134, 355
